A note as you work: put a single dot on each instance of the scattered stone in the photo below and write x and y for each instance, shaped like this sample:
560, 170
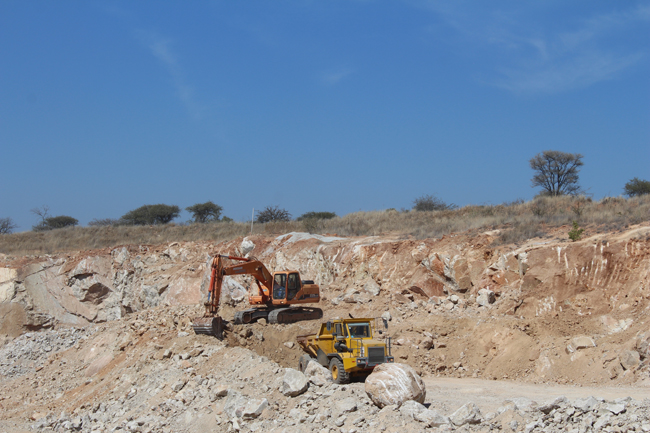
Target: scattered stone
585, 404
629, 359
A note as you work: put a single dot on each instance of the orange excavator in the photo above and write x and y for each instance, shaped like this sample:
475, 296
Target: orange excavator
273, 299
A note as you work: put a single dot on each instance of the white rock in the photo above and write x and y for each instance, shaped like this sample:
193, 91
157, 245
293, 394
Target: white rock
582, 342
246, 246
467, 414
394, 384
585, 404
485, 297
294, 382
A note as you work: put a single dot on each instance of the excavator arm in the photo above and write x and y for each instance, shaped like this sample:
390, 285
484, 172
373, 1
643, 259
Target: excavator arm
262, 276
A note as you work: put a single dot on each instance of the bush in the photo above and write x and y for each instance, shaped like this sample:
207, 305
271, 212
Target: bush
636, 187
205, 212
270, 214
104, 222
151, 214
430, 203
57, 222
575, 233
6, 226
317, 216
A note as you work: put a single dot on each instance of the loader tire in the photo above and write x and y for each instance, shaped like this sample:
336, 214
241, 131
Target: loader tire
339, 375
304, 361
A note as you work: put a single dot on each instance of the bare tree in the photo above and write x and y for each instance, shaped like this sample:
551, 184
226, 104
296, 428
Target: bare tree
42, 212
556, 172
6, 226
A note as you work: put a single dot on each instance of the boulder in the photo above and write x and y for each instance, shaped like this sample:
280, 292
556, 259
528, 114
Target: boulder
466, 414
372, 287
582, 342
294, 382
235, 404
394, 384
585, 404
485, 297
254, 408
629, 359
317, 374
246, 246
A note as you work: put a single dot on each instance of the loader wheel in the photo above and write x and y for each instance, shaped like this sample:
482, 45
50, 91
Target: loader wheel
339, 375
304, 361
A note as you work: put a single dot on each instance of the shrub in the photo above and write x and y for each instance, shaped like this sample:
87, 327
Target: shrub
430, 203
636, 187
316, 216
575, 233
273, 213
104, 222
205, 212
57, 222
151, 214
6, 226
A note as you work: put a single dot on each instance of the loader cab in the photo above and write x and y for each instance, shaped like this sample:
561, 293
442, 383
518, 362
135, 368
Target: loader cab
286, 286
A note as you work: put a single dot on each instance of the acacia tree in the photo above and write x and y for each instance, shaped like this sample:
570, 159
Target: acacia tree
205, 212
7, 226
636, 187
556, 172
273, 213
430, 203
56, 222
151, 214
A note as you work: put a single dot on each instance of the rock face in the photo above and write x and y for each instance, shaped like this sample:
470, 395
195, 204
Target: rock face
394, 384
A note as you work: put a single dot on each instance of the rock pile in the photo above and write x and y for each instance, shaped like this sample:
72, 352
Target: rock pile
31, 350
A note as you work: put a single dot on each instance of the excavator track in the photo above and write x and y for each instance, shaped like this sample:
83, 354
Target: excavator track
208, 326
251, 315
295, 314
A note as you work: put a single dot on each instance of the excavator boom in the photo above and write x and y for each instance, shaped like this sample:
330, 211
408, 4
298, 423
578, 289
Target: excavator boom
276, 293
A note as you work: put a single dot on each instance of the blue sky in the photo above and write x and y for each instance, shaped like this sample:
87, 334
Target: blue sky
313, 106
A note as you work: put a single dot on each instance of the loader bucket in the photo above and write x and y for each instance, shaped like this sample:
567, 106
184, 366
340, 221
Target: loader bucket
209, 326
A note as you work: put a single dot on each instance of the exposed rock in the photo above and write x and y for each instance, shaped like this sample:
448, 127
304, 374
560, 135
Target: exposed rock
582, 342
469, 413
394, 384
629, 359
246, 246
585, 404
485, 297
294, 383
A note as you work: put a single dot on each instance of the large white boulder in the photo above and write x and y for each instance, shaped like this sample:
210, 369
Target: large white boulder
293, 383
394, 384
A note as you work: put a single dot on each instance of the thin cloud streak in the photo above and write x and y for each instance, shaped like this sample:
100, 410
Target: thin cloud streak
542, 61
335, 76
160, 48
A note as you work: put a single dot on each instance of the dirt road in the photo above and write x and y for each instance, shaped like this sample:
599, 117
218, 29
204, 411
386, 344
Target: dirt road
447, 394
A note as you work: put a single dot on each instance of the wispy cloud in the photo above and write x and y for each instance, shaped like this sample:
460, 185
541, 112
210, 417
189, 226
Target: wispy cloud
161, 48
335, 76
532, 56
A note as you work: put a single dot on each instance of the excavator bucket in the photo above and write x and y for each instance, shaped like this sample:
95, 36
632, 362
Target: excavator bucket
208, 326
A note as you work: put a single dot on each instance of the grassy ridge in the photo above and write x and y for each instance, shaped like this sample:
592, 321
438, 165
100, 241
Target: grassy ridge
521, 221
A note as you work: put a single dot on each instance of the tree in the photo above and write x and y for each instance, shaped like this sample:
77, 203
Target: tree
57, 222
431, 202
7, 226
273, 213
636, 187
205, 212
42, 212
316, 216
556, 172
151, 214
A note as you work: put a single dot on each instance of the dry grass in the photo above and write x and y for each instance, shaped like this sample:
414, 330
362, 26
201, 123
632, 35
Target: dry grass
519, 221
